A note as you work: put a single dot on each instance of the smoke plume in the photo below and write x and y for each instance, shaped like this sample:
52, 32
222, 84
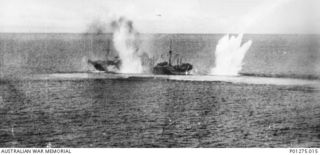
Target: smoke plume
125, 40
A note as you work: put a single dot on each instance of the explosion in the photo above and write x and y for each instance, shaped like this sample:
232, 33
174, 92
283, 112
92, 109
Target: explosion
126, 45
229, 55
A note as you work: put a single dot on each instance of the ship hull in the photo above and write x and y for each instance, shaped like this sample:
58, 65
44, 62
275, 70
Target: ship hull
169, 70
104, 66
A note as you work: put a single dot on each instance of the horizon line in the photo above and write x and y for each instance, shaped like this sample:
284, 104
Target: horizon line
109, 33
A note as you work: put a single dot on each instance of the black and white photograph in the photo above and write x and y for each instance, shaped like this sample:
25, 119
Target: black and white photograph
160, 74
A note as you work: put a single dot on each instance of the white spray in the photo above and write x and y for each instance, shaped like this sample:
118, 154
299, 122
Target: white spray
229, 51
229, 55
125, 42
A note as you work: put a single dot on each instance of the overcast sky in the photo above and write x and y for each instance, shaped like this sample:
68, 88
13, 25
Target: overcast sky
163, 16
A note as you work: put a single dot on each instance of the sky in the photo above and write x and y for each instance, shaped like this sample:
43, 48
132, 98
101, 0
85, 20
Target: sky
163, 16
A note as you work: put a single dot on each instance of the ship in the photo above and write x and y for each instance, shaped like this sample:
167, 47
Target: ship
166, 67
108, 65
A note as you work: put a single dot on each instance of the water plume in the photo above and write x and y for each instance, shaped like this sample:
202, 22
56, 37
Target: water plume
126, 44
229, 55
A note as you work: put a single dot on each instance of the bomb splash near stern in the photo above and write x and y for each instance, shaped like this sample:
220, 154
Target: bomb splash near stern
126, 44
125, 41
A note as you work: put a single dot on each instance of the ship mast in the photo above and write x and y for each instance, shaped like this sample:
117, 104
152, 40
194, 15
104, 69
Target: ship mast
108, 49
170, 52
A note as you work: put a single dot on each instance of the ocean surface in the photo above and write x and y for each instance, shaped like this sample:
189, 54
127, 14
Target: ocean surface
48, 100
75, 110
